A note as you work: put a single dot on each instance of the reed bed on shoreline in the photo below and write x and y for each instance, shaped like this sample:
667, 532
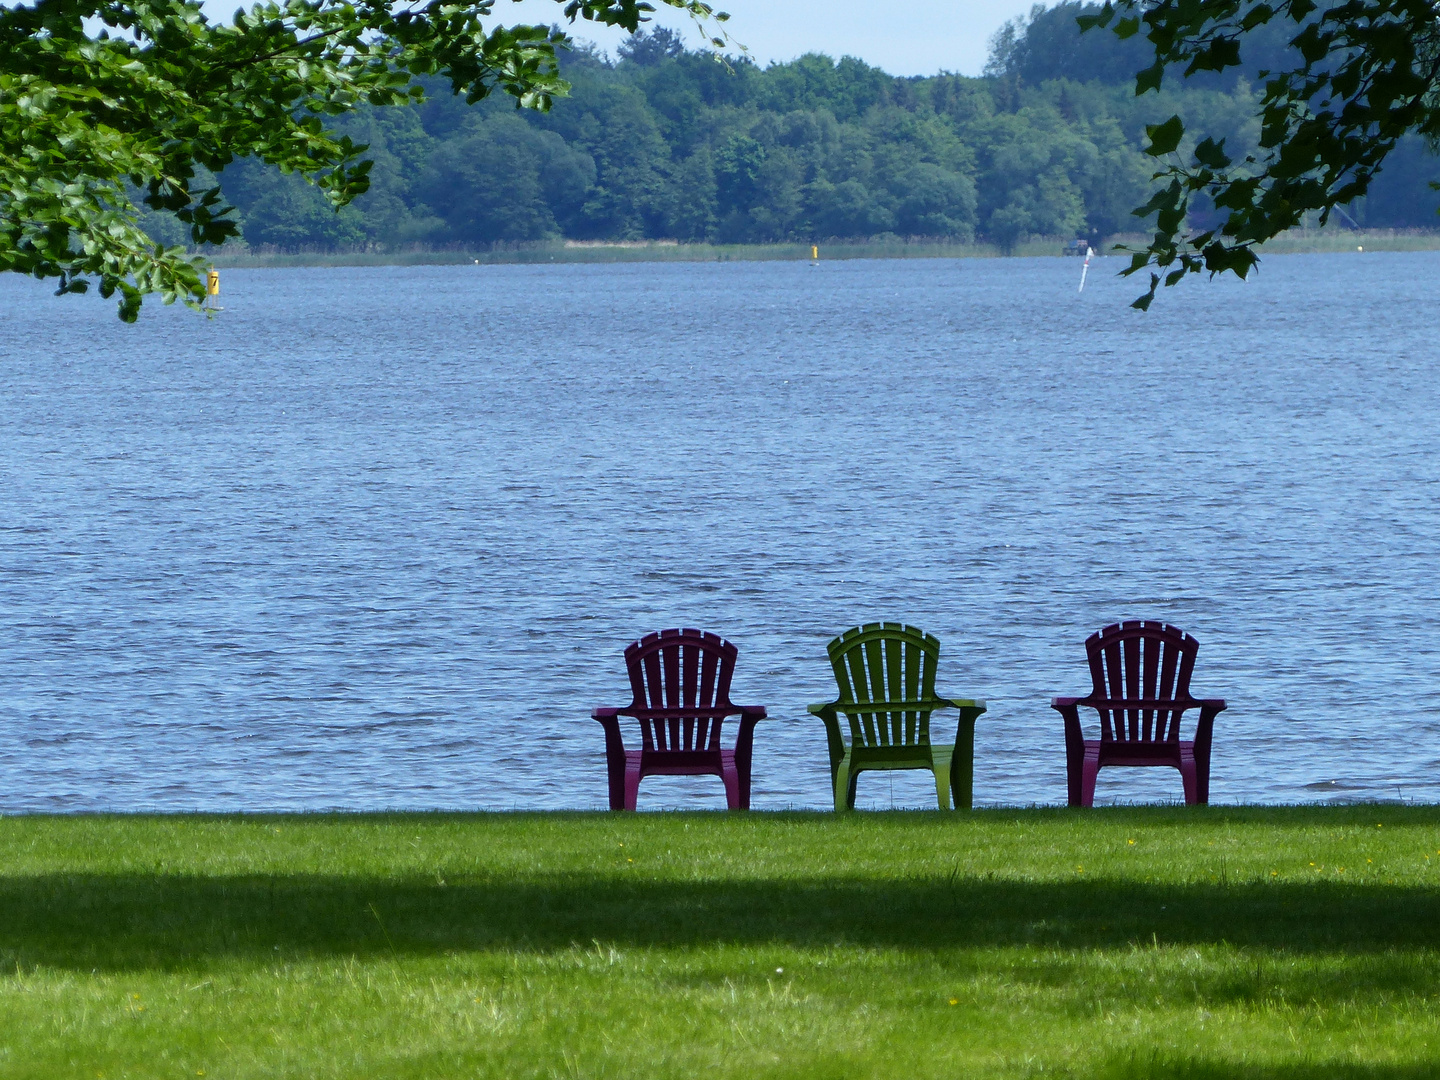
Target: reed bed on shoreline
1260, 943
1299, 241
562, 252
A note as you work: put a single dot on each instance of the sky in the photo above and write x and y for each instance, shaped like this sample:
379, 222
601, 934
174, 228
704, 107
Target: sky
904, 37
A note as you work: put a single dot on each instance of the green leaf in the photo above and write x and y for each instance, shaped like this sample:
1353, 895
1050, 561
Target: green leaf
1149, 78
1164, 138
1144, 302
1099, 20
1257, 15
1211, 154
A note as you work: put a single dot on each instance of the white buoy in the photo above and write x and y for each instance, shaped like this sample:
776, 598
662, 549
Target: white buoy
1085, 269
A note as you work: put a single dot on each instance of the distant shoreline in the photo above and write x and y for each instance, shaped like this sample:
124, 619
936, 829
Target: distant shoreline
1301, 241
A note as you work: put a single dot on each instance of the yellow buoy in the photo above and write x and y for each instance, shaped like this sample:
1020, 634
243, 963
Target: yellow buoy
212, 291
814, 251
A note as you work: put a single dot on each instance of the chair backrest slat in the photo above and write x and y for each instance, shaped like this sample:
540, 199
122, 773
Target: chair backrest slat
681, 671
1148, 680
1166, 686
891, 668
1134, 661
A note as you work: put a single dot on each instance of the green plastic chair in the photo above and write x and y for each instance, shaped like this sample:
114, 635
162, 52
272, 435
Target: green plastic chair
886, 674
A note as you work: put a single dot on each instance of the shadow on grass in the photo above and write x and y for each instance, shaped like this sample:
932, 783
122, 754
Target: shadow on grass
143, 921
1147, 1068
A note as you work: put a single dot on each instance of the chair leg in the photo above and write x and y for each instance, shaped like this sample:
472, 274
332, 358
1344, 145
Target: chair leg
1187, 778
1075, 776
744, 758
844, 786
942, 787
632, 782
1202, 776
1074, 754
731, 776
616, 784
1089, 771
615, 758
742, 785
940, 765
1075, 779
962, 761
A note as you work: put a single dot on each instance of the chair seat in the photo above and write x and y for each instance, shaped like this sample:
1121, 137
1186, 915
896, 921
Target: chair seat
897, 757
1102, 752
642, 763
1112, 752
935, 757
679, 762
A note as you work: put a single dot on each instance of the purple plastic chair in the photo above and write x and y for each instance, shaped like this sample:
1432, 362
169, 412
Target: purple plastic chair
1140, 672
680, 680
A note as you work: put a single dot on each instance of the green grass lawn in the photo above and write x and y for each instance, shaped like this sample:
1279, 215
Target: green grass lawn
1249, 943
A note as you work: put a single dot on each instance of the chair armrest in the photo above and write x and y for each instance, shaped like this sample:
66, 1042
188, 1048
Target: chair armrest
964, 703
602, 714
825, 710
1205, 731
751, 712
1069, 708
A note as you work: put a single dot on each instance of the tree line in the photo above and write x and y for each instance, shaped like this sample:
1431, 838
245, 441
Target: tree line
665, 143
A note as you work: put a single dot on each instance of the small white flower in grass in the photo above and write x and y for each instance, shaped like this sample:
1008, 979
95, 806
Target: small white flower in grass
779, 971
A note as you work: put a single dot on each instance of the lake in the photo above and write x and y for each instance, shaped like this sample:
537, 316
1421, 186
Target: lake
377, 537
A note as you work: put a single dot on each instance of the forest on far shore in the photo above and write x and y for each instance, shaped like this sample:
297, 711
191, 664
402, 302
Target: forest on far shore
663, 143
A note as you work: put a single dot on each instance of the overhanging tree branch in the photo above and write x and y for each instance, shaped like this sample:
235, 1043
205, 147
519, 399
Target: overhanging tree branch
1365, 74
84, 120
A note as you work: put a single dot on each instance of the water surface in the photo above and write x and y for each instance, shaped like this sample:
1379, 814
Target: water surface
377, 537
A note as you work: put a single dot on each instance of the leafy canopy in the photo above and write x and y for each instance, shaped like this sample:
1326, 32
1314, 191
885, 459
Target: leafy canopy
90, 122
1360, 74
